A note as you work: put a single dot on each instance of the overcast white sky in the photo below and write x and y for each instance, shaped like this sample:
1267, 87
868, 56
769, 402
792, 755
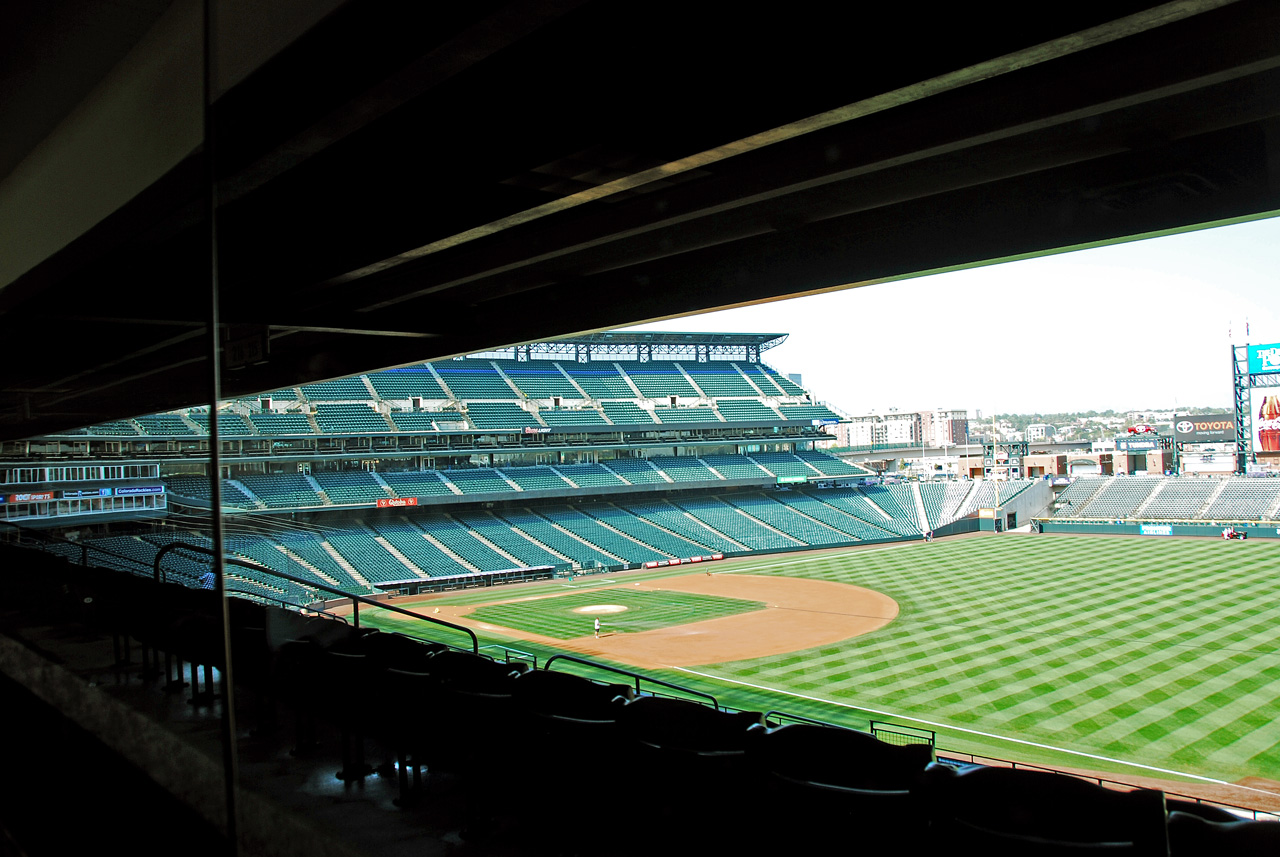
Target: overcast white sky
1140, 325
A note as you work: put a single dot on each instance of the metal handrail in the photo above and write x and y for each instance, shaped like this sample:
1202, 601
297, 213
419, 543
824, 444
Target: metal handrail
356, 600
636, 676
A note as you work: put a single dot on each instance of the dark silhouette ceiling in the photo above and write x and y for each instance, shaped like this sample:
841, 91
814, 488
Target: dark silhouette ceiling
405, 181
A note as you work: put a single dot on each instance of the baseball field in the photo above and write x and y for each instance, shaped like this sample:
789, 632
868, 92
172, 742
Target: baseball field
1115, 654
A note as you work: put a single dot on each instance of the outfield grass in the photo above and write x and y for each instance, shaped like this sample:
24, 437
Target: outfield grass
1153, 651
645, 611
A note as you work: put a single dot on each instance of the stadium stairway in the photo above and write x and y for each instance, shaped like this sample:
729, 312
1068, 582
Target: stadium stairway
921, 514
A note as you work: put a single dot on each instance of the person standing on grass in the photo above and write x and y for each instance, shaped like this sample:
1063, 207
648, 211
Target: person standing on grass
597, 627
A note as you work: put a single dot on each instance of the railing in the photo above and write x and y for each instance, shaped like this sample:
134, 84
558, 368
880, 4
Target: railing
356, 600
901, 735
636, 677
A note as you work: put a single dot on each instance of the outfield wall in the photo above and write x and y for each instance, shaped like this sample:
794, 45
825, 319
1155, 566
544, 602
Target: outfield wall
1208, 529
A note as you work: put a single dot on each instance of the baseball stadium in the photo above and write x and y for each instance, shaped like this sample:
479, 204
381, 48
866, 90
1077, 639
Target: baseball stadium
341, 515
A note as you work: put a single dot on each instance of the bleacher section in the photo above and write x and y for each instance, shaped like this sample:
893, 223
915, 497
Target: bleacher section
165, 425
683, 469
736, 525
464, 543
806, 413
229, 424
627, 413
786, 519
746, 410
572, 417
686, 415
500, 415
1179, 499
589, 475
1119, 498
637, 471
644, 531
987, 495
414, 420
406, 382
539, 380
762, 379
783, 465
869, 506
416, 483
678, 521
528, 552
415, 547
371, 559
350, 486
197, 487
1244, 500
659, 379
719, 379
854, 527
591, 530
788, 387
477, 481
350, 419
600, 380
541, 530
1076, 495
114, 428
340, 390
736, 467
280, 424
282, 490
474, 379
829, 465
535, 478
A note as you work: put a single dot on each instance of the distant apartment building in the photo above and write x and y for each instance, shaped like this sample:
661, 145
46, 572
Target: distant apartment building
907, 428
1040, 431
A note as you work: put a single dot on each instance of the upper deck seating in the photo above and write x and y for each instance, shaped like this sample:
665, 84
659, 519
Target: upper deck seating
165, 425
736, 467
474, 379
282, 490
416, 483
337, 390
281, 424
637, 471
719, 379
500, 415
806, 413
350, 486
789, 387
625, 413
535, 478
198, 487
229, 424
1180, 499
1244, 499
414, 420
350, 419
600, 380
572, 417
686, 415
829, 465
761, 379
746, 410
684, 468
112, 428
659, 379
783, 465
481, 480
540, 379
589, 475
406, 382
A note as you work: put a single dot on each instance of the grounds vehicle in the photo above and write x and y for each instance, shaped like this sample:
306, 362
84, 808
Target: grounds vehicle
1233, 533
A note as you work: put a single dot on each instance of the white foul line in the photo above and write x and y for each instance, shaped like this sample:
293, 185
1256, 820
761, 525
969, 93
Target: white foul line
956, 728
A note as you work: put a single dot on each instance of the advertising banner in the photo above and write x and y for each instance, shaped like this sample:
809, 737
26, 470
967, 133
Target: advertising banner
139, 489
396, 501
1156, 529
1264, 407
1264, 359
86, 492
1137, 445
1205, 428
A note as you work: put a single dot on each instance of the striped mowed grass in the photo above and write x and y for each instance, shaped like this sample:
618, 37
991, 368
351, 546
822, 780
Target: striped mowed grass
1162, 652
644, 610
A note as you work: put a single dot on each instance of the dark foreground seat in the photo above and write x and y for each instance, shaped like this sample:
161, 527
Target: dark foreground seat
1005, 811
1193, 835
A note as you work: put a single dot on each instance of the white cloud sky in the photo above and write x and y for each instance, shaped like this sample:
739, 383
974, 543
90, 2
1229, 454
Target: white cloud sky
1126, 326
